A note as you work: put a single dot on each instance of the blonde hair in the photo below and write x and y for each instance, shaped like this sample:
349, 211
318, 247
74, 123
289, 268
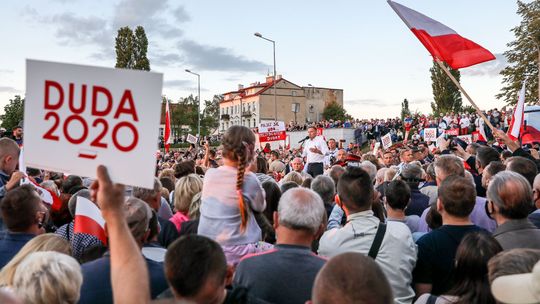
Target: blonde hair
43, 242
389, 174
167, 173
293, 176
185, 190
48, 277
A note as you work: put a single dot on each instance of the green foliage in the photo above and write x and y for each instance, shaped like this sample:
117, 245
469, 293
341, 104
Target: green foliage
185, 115
405, 109
124, 49
140, 48
446, 95
335, 111
131, 49
523, 56
13, 113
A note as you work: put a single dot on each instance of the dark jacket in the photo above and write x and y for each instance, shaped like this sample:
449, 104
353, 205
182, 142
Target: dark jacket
518, 234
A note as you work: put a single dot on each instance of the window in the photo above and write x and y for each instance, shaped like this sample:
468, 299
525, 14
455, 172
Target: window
293, 93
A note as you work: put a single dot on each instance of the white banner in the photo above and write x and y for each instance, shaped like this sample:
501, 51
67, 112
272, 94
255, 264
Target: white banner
466, 138
272, 126
78, 117
191, 139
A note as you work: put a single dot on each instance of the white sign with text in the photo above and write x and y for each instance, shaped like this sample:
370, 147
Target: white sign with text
77, 117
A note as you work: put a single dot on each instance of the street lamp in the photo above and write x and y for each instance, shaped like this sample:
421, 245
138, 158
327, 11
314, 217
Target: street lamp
198, 102
274, 84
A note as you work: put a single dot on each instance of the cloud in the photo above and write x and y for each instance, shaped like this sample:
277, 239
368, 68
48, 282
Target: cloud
73, 29
181, 15
160, 58
178, 84
6, 71
6, 89
370, 102
212, 58
490, 68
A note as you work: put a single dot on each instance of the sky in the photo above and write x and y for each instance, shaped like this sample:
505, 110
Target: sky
360, 46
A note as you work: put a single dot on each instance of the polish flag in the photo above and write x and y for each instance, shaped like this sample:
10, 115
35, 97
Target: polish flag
167, 135
442, 42
88, 219
516, 124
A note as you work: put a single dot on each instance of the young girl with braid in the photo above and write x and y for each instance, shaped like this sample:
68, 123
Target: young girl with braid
229, 196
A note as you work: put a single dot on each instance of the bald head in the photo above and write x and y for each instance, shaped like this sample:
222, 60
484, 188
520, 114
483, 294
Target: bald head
9, 155
351, 278
512, 195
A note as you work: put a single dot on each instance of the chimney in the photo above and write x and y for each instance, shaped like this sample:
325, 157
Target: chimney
240, 87
278, 77
269, 79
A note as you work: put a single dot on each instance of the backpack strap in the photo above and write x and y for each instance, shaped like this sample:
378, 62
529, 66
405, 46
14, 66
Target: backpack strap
377, 242
432, 299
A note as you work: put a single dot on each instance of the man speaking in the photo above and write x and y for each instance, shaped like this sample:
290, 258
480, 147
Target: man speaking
315, 149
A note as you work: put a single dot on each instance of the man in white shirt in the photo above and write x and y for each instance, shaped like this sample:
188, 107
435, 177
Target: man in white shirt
315, 149
394, 250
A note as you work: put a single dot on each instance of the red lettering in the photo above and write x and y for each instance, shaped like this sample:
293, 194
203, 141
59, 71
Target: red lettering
72, 140
103, 91
135, 136
58, 87
127, 98
83, 99
49, 135
97, 142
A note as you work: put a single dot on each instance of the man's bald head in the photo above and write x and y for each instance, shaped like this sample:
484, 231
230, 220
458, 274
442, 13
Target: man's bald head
351, 278
9, 155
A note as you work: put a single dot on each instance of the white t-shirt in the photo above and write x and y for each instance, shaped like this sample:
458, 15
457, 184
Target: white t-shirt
319, 143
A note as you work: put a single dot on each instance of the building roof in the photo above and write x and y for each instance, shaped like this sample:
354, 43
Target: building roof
242, 92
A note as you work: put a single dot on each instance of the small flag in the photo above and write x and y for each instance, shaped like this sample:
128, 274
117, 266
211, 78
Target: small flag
442, 42
88, 219
516, 125
167, 136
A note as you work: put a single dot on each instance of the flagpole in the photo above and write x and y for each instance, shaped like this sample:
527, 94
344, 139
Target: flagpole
441, 65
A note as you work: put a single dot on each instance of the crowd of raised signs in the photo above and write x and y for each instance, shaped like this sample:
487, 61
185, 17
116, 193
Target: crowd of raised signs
243, 224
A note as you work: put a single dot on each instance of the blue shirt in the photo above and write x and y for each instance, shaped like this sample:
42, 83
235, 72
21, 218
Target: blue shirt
97, 287
10, 244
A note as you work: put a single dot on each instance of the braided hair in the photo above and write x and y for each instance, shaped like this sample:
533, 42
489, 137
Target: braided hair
238, 144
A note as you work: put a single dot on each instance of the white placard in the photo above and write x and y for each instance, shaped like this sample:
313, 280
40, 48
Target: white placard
271, 126
430, 134
376, 148
78, 117
386, 141
466, 138
191, 139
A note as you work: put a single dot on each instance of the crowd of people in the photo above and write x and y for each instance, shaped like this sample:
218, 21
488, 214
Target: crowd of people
317, 223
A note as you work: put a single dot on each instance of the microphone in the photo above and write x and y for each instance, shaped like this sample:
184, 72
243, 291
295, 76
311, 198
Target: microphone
303, 140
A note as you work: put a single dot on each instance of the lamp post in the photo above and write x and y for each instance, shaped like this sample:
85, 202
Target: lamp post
198, 102
273, 84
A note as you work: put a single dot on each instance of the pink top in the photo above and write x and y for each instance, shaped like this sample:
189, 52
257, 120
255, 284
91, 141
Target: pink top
178, 218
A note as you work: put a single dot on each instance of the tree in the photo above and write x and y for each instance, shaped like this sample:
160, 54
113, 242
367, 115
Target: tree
446, 95
13, 113
335, 111
523, 56
405, 109
210, 115
140, 48
124, 48
131, 49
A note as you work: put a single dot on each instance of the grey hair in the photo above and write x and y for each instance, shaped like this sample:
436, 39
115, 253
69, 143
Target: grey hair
512, 193
146, 194
370, 168
301, 208
72, 203
325, 187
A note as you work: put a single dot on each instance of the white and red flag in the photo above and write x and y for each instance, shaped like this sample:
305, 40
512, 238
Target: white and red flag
167, 134
516, 124
88, 219
442, 42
